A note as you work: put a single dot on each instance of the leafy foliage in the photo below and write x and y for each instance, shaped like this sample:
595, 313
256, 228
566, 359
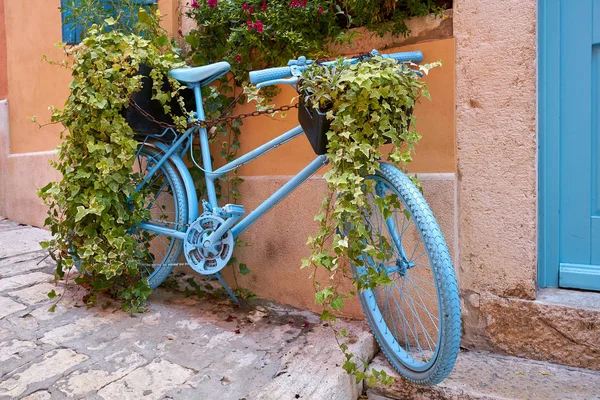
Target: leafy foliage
370, 104
254, 34
94, 206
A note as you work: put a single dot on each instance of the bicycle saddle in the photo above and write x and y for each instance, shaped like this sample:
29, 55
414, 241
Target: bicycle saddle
203, 75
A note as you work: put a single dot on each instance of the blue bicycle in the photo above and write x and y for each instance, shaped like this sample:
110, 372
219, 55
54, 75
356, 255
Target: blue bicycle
415, 319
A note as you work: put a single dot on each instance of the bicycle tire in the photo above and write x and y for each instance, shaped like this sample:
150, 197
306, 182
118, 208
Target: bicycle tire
161, 263
434, 364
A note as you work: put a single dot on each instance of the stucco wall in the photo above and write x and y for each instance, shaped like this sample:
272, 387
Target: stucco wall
496, 145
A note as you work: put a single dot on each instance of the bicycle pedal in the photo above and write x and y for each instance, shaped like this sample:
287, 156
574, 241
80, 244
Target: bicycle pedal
232, 210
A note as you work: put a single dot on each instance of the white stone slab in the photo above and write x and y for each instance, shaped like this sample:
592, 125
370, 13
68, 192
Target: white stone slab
19, 281
79, 384
13, 349
150, 382
20, 265
20, 241
34, 294
54, 363
7, 307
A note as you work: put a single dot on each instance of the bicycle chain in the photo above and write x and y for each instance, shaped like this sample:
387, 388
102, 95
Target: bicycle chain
212, 122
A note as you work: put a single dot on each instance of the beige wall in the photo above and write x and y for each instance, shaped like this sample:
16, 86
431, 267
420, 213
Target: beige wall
496, 145
3, 76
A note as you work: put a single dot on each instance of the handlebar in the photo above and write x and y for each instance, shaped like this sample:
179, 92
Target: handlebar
270, 74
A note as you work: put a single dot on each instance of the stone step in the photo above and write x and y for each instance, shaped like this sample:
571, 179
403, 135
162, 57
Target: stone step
481, 375
560, 326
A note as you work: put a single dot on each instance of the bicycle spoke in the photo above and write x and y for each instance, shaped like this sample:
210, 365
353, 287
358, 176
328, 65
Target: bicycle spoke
415, 314
421, 304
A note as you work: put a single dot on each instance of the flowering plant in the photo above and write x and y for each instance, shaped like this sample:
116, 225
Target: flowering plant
254, 34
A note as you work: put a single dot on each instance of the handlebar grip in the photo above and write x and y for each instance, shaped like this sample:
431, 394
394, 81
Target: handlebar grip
269, 74
414, 56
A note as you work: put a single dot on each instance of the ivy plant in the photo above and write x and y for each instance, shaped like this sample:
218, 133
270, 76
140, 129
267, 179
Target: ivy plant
95, 204
369, 104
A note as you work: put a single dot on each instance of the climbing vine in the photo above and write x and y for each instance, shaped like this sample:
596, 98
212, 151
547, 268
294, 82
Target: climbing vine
369, 104
95, 204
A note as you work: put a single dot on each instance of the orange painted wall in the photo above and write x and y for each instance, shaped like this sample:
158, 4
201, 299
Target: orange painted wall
34, 84
3, 76
435, 122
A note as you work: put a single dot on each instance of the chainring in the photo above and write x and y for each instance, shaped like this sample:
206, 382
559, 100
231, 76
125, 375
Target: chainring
204, 260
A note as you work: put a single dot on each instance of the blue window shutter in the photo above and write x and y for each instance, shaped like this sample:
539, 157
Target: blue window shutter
71, 33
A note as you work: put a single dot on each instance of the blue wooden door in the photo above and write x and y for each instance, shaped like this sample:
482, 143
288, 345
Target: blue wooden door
569, 146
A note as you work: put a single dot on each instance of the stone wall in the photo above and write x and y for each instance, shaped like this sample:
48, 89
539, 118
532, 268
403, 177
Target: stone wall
496, 146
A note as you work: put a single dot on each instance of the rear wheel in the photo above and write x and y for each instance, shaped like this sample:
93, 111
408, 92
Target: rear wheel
416, 318
166, 201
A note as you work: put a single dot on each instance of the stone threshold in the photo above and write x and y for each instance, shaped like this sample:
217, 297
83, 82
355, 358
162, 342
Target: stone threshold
577, 299
560, 326
482, 375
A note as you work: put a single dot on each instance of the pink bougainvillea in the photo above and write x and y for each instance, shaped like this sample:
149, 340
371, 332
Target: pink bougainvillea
195, 4
212, 3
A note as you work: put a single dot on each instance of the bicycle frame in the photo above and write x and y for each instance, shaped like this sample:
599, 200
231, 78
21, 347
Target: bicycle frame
184, 143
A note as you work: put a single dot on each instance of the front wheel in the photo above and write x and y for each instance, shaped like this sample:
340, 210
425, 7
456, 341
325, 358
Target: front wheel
415, 318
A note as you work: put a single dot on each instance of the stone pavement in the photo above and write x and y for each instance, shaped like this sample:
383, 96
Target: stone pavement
183, 348
186, 348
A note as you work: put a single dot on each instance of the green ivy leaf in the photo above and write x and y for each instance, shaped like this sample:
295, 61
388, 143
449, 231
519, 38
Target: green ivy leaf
244, 270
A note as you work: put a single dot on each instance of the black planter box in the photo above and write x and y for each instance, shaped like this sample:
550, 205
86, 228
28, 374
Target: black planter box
142, 125
315, 125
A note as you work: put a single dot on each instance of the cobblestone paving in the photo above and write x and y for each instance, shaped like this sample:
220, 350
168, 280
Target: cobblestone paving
183, 348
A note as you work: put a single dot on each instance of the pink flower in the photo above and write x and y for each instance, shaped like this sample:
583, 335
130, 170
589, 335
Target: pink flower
212, 3
245, 7
238, 58
258, 26
195, 4
251, 10
264, 6
249, 23
320, 10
